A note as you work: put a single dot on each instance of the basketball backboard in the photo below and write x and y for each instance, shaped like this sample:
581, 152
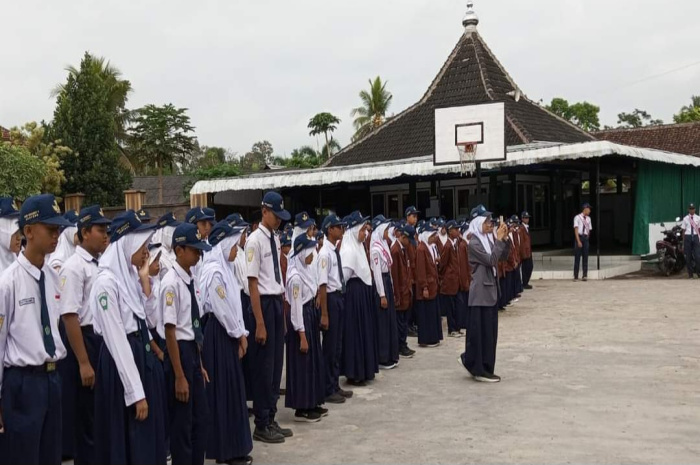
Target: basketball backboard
483, 125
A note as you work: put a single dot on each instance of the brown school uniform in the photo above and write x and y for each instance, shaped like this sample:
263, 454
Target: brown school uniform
525, 243
411, 250
401, 277
448, 269
465, 272
426, 273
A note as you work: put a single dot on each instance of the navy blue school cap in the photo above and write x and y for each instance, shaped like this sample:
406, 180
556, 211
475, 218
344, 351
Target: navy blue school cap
71, 216
410, 232
168, 220
222, 230
236, 220
480, 210
144, 215
8, 207
302, 242
691, 206
286, 239
196, 215
464, 226
586, 205
330, 221
127, 222
187, 235
355, 218
210, 212
411, 211
42, 209
303, 220
452, 224
319, 236
274, 202
379, 220
92, 215
524, 215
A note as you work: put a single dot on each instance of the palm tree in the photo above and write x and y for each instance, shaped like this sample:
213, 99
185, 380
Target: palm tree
323, 123
329, 149
372, 113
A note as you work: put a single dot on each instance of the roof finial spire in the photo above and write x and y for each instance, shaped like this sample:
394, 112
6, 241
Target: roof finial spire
471, 20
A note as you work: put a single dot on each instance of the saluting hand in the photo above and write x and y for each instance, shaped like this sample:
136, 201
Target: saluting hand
141, 410
87, 375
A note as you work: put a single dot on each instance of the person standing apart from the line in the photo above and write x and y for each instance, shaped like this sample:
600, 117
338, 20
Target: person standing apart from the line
331, 293
691, 241
402, 277
485, 252
30, 346
266, 349
76, 278
385, 311
582, 234
526, 250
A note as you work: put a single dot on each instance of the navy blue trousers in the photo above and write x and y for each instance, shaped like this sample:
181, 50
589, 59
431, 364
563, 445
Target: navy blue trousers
266, 361
429, 322
387, 329
463, 309
31, 410
249, 322
229, 430
448, 305
333, 341
70, 381
402, 327
581, 256
527, 267
359, 360
306, 387
479, 355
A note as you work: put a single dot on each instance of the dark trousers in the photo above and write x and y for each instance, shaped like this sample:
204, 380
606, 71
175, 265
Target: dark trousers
402, 326
85, 403
31, 410
266, 361
691, 248
527, 268
479, 356
581, 252
448, 306
333, 341
188, 420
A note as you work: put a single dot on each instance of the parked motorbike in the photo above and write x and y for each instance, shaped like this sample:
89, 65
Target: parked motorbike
670, 250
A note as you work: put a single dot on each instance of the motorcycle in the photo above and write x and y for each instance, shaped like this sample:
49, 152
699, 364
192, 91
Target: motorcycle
670, 250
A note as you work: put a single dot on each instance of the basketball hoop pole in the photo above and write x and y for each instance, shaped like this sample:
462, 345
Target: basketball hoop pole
478, 182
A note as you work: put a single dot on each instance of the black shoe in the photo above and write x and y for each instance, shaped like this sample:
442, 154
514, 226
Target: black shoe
335, 398
412, 332
267, 435
323, 411
354, 382
307, 416
585, 278
407, 353
496, 378
344, 393
247, 460
527, 286
285, 432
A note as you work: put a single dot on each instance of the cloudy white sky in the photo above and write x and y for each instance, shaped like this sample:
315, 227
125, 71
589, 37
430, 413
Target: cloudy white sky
259, 69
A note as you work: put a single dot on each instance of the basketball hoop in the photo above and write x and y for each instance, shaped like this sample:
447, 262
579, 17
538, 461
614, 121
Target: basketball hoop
467, 157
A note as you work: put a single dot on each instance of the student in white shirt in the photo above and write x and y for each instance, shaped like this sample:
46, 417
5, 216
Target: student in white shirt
83, 347
582, 234
10, 236
129, 385
66, 243
164, 236
380, 261
30, 346
691, 241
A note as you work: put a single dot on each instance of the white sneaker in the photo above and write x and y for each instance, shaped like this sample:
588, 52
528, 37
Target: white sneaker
484, 379
388, 367
453, 334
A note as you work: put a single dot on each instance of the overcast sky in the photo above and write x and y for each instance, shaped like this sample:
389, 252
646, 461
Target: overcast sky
259, 69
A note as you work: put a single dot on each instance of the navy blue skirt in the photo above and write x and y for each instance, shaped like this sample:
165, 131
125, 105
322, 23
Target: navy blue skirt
229, 430
479, 355
463, 309
387, 329
429, 322
119, 437
305, 372
249, 322
359, 360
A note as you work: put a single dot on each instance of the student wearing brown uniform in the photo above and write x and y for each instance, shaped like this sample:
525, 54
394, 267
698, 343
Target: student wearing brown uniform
402, 276
448, 270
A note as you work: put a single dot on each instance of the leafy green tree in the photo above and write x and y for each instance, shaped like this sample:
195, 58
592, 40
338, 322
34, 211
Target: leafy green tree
162, 137
209, 157
636, 119
372, 113
689, 113
323, 123
332, 147
228, 169
84, 121
260, 155
582, 114
21, 173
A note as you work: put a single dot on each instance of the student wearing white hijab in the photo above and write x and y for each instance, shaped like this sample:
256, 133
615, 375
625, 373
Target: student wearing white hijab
427, 311
129, 388
225, 345
10, 236
67, 242
381, 262
305, 371
485, 251
359, 361
164, 236
240, 270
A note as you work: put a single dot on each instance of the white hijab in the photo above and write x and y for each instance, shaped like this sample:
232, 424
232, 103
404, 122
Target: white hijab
392, 235
116, 263
296, 232
353, 256
476, 229
65, 248
216, 261
380, 245
298, 267
8, 226
424, 237
443, 237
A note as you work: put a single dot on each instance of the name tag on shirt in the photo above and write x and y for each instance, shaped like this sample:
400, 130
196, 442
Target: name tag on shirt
268, 254
27, 301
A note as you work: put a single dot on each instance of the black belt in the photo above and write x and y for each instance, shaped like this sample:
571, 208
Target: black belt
48, 367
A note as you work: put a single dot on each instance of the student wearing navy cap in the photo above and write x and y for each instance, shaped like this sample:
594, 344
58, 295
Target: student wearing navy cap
427, 311
267, 347
30, 345
385, 311
164, 236
144, 216
129, 384
402, 279
411, 215
10, 235
235, 220
331, 290
303, 224
185, 378
199, 217
526, 250
66, 243
82, 343
225, 345
305, 372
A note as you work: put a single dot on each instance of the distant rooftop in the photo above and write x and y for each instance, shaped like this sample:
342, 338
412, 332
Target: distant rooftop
679, 138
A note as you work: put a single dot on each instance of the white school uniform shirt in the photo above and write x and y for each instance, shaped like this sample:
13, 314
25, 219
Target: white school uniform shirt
258, 255
328, 271
240, 269
583, 223
21, 337
687, 227
230, 316
175, 303
113, 322
76, 277
379, 266
301, 294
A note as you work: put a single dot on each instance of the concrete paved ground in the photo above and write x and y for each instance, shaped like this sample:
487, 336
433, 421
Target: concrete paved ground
597, 372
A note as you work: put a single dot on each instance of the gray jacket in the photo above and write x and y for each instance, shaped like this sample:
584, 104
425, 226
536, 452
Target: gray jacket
483, 291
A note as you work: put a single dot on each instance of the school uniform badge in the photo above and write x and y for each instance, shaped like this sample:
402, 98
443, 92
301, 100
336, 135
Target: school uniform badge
169, 298
63, 282
295, 291
2, 320
324, 263
251, 254
103, 300
221, 292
